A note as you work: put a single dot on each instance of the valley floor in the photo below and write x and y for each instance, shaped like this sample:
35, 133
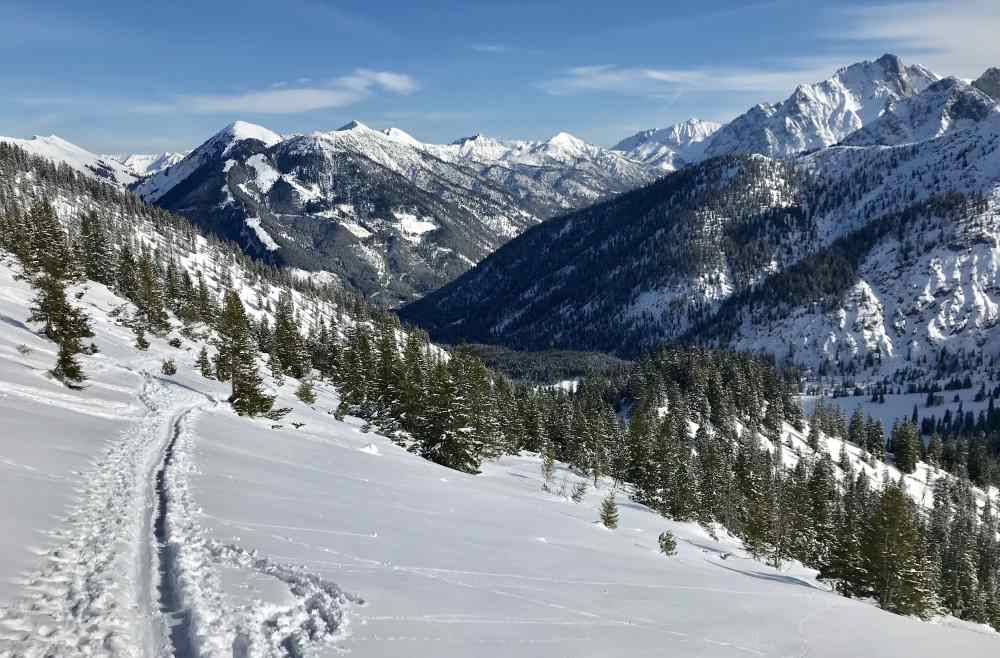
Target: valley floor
323, 539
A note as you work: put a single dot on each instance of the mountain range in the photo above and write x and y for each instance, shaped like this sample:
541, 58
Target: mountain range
876, 252
560, 243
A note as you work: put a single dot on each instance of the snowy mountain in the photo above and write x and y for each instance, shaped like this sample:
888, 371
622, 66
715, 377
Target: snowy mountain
153, 520
670, 148
823, 113
58, 150
945, 105
392, 217
147, 164
814, 116
857, 256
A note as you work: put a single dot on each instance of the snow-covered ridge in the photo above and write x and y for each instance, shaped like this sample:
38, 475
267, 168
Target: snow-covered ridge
147, 164
670, 148
57, 149
946, 105
815, 116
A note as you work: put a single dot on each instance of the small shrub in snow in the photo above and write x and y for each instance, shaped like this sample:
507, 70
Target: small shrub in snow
609, 511
548, 468
174, 342
579, 489
668, 545
305, 392
23, 350
168, 367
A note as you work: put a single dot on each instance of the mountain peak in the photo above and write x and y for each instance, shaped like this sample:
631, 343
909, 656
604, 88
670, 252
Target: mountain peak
354, 124
891, 63
239, 131
566, 140
989, 83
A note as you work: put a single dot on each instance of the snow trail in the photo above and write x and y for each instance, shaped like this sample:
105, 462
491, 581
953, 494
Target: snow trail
93, 594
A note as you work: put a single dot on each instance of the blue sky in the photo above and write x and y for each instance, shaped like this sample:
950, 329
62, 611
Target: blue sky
150, 76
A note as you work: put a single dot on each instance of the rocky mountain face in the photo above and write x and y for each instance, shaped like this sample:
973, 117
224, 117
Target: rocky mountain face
670, 148
814, 116
946, 105
881, 252
387, 215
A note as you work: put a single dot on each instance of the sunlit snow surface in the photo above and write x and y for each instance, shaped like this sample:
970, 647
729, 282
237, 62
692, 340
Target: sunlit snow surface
395, 556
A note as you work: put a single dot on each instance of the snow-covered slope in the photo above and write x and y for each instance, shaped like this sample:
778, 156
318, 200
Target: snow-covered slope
670, 148
147, 164
948, 104
823, 113
58, 150
323, 539
814, 116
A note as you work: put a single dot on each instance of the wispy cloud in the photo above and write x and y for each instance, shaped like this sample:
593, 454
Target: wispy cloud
952, 37
490, 48
667, 82
283, 98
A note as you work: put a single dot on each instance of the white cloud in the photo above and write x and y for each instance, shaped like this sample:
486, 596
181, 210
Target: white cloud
490, 48
659, 82
275, 101
951, 37
282, 98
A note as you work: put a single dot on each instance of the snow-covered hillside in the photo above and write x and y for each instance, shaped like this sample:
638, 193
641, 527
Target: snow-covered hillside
147, 164
58, 150
670, 148
317, 539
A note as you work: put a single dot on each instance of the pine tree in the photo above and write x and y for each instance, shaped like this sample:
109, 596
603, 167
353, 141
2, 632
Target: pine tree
305, 391
204, 365
444, 437
97, 251
140, 336
905, 443
609, 511
237, 349
894, 565
67, 368
548, 467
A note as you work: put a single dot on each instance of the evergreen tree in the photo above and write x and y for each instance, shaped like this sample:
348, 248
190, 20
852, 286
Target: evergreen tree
894, 566
305, 391
204, 365
237, 350
609, 511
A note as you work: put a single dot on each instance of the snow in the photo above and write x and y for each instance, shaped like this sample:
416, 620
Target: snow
57, 149
241, 130
147, 164
412, 228
299, 537
266, 175
262, 235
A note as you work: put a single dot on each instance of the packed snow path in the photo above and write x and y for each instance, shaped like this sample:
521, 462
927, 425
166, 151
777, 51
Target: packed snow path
95, 593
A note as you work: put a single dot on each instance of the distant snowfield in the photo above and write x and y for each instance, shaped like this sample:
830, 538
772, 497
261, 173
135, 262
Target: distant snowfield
326, 539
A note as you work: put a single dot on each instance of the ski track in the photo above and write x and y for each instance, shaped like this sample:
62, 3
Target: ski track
89, 597
254, 628
98, 590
